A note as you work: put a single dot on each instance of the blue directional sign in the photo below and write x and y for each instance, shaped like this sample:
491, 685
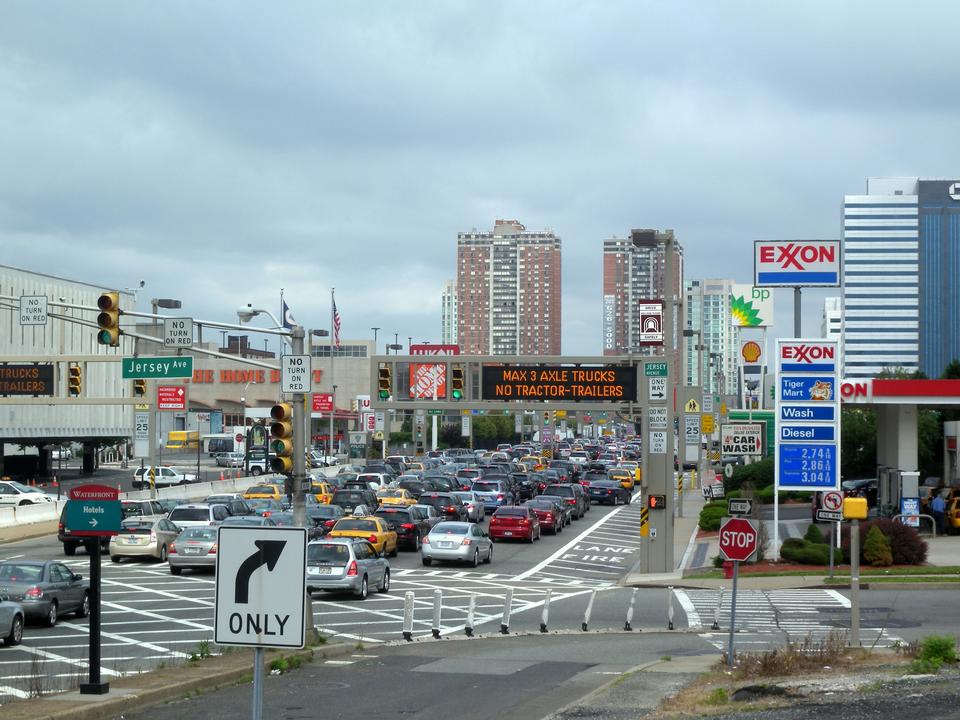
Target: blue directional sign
808, 415
794, 413
806, 432
808, 466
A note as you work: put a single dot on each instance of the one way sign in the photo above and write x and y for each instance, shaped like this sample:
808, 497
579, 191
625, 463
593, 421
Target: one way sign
261, 586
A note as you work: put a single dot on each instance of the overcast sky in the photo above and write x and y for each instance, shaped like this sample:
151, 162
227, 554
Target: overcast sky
224, 150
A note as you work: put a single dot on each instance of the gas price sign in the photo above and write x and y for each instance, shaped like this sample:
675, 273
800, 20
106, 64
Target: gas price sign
607, 383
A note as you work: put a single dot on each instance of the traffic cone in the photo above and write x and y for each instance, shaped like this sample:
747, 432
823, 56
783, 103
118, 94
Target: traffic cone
54, 481
221, 476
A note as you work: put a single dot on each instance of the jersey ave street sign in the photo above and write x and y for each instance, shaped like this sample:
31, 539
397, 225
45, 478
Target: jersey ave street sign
260, 596
93, 511
739, 539
157, 367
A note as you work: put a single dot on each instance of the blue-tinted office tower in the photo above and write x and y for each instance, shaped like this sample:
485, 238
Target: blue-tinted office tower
901, 276
939, 215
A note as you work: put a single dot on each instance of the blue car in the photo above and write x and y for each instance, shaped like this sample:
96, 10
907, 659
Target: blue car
493, 493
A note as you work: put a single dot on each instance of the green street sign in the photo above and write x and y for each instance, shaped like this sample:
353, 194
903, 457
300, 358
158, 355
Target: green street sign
655, 369
434, 412
94, 516
158, 367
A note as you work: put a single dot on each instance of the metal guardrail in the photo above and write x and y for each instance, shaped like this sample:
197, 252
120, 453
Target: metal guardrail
933, 524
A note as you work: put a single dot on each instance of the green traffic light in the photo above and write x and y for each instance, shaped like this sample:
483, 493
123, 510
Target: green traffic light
384, 394
457, 394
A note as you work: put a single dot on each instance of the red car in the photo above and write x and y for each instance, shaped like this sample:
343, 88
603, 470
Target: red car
546, 512
512, 522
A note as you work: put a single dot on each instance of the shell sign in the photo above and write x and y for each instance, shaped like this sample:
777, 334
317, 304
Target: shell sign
750, 352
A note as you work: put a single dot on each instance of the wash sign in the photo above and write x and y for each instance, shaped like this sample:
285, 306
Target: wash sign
796, 263
807, 415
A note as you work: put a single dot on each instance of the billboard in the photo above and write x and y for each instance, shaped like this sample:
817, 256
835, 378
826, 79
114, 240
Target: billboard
796, 263
26, 379
609, 317
741, 439
751, 306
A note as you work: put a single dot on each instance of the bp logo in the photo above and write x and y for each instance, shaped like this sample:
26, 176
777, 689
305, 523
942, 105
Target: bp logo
750, 351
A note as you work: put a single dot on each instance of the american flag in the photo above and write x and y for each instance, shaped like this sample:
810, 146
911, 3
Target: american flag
336, 325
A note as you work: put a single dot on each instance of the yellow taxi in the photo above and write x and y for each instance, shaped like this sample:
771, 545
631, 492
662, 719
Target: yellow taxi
322, 491
416, 467
373, 529
635, 467
395, 496
623, 476
533, 462
264, 490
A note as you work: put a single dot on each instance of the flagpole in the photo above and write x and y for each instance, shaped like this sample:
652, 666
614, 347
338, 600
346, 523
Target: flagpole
333, 386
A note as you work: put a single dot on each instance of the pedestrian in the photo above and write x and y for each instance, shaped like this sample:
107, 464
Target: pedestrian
938, 506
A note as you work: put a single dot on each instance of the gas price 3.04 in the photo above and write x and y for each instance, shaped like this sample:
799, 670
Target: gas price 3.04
808, 465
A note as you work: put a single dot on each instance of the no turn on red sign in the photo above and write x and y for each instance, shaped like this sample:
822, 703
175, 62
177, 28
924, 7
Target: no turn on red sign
739, 539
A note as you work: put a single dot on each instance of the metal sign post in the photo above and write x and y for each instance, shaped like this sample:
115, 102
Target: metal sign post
739, 541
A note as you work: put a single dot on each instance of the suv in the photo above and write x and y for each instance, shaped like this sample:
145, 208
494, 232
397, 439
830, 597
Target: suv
350, 499
573, 494
234, 502
141, 508
164, 477
448, 505
410, 525
349, 564
493, 493
197, 514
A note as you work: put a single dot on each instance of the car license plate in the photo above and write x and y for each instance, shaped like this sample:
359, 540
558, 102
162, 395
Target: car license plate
131, 540
191, 551
320, 571
508, 532
444, 544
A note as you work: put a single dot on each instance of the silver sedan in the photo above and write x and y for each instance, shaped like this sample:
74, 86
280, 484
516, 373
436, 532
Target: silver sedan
11, 622
457, 542
475, 510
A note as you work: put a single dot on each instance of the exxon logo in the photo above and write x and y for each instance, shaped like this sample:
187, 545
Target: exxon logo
808, 353
796, 255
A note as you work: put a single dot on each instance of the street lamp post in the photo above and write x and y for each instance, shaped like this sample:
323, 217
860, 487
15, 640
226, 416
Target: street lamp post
332, 414
375, 330
166, 304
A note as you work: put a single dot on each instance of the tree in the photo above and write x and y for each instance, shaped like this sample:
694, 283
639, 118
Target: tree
858, 442
876, 548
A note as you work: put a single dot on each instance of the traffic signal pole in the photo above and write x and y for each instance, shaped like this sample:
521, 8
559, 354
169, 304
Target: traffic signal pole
299, 440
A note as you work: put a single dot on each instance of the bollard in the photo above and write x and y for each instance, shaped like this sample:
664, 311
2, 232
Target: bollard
545, 614
670, 607
408, 616
471, 609
437, 604
628, 625
586, 613
505, 621
716, 611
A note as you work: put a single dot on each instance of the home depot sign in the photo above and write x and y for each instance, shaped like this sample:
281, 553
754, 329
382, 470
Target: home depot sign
425, 380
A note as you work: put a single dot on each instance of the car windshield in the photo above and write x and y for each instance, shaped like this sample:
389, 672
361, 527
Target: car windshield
360, 525
19, 486
130, 509
391, 493
189, 514
262, 490
488, 486
323, 511
327, 552
349, 496
435, 501
136, 525
511, 512
245, 520
201, 533
558, 490
448, 528
262, 503
285, 519
16, 572
465, 496
396, 515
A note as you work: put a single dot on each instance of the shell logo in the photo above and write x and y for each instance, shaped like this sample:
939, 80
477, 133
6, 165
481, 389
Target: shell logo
751, 351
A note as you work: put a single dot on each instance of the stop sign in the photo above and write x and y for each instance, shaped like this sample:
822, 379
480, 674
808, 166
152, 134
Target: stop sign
739, 539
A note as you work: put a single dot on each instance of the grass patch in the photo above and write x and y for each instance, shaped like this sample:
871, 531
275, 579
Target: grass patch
285, 664
879, 579
717, 696
806, 656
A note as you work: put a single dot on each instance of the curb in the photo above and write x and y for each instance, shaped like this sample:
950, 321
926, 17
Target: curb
600, 690
62, 707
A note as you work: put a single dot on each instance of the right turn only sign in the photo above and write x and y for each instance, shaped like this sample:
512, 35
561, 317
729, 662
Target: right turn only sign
261, 587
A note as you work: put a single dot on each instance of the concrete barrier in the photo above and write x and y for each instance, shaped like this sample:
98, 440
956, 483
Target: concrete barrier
27, 514
7, 517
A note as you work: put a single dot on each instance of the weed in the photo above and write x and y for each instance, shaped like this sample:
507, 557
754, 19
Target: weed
666, 658
794, 657
718, 696
934, 651
285, 664
162, 665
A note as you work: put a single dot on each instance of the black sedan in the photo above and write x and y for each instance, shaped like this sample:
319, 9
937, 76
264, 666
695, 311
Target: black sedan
45, 589
608, 492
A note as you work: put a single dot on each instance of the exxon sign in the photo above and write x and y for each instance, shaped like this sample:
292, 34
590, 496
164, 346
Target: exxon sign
801, 356
796, 263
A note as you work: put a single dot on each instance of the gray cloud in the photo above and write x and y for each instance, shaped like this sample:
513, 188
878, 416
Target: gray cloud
225, 150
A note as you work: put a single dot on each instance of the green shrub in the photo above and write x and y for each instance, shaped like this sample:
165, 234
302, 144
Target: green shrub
906, 545
814, 535
764, 495
804, 552
759, 474
876, 548
935, 650
711, 517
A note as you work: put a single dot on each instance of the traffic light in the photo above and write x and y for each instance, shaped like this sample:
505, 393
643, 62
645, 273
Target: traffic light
75, 379
109, 319
546, 417
281, 438
140, 387
386, 382
456, 382
656, 502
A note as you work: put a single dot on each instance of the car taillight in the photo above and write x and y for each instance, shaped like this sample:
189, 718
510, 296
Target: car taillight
609, 492
34, 593
352, 568
426, 540
549, 517
329, 523
59, 527
153, 536
172, 550
212, 550
408, 526
451, 508
465, 541
500, 496
524, 521
571, 501
372, 539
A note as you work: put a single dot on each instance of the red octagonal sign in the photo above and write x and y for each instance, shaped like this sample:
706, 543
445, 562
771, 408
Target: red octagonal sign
739, 539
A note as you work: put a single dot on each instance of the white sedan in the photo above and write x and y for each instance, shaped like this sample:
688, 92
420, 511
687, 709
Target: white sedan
15, 494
